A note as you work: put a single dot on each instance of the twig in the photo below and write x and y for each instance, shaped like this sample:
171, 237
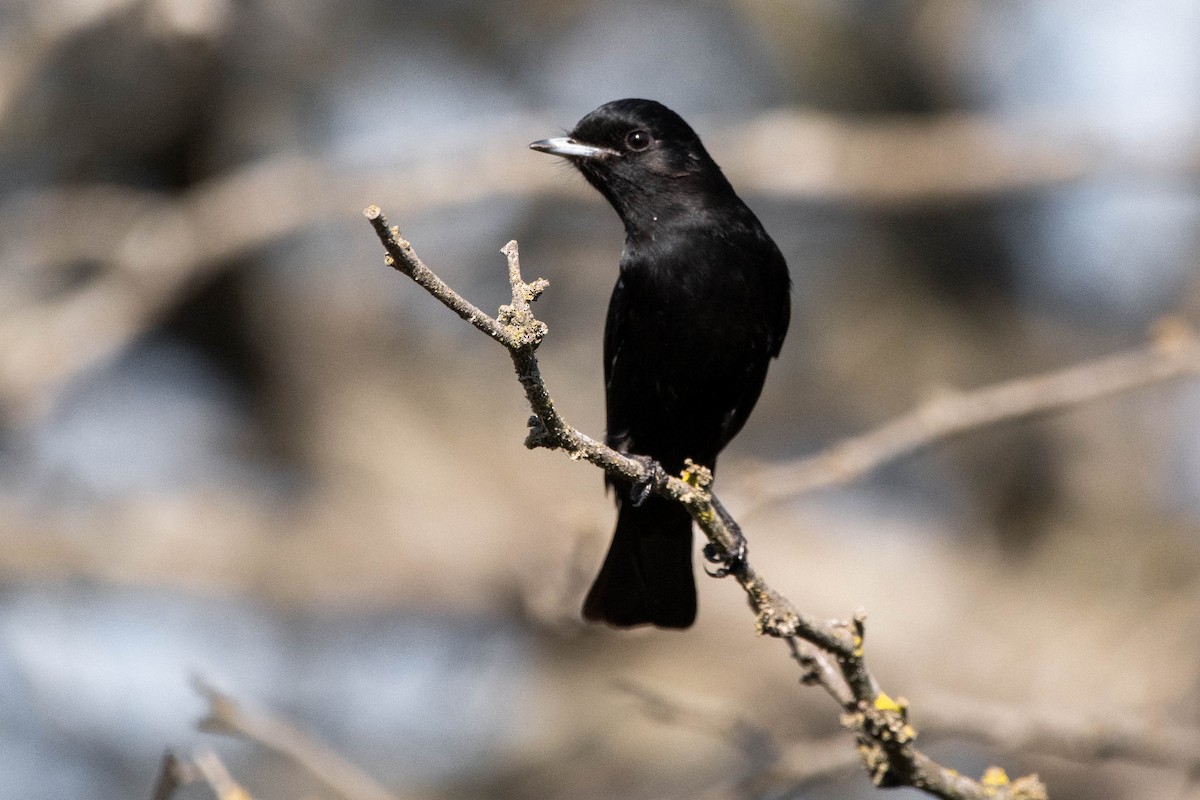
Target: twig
219, 780
1085, 740
520, 333
343, 777
885, 737
771, 764
174, 774
819, 671
1176, 354
148, 247
756, 743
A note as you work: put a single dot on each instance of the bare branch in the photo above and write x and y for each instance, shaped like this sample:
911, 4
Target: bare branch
209, 764
1082, 739
819, 670
402, 257
769, 764
885, 737
756, 743
1176, 354
1014, 729
148, 247
344, 778
174, 774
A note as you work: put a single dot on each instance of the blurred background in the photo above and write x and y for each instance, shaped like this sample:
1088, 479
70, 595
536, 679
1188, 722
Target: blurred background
235, 446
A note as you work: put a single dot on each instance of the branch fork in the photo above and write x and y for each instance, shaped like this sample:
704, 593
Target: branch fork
831, 654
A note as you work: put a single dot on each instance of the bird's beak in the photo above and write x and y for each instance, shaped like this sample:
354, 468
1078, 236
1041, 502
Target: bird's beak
569, 148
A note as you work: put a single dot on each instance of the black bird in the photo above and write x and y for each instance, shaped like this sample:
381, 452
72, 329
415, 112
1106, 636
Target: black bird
700, 308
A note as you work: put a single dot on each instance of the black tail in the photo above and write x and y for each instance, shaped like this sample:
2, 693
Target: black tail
647, 575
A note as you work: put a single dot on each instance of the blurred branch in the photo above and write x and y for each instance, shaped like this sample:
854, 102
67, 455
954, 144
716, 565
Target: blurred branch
770, 764
219, 780
1175, 354
885, 737
757, 744
204, 765
1081, 739
227, 716
147, 248
907, 160
144, 251
174, 774
1086, 740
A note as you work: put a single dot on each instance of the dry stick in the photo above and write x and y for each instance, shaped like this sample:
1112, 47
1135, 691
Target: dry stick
885, 739
768, 764
1176, 354
344, 778
756, 743
174, 774
150, 247
223, 785
1083, 739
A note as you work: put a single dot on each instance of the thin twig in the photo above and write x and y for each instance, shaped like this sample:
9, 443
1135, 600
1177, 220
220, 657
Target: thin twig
174, 774
754, 742
769, 765
1082, 739
343, 777
885, 737
224, 786
820, 671
1173, 356
149, 247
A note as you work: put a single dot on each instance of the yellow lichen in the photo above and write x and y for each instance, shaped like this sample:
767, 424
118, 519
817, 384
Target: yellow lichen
995, 776
885, 703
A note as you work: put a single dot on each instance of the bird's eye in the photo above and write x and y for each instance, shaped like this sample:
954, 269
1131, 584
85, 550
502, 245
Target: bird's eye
637, 140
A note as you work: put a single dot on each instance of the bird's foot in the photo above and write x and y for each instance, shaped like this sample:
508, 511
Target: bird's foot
729, 562
539, 435
733, 559
644, 486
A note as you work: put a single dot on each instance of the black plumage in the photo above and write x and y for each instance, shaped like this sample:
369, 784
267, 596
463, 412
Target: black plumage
700, 308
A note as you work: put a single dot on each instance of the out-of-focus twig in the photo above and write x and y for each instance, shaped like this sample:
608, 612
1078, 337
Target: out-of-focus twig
146, 248
1086, 740
1175, 354
227, 716
224, 786
1013, 729
754, 742
769, 763
174, 774
909, 159
204, 765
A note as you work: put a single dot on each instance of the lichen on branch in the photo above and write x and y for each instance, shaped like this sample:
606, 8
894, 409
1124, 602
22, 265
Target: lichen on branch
832, 654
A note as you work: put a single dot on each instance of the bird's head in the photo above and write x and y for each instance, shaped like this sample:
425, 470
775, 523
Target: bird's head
643, 158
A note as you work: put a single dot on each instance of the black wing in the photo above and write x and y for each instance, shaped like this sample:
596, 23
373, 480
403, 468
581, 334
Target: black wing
692, 324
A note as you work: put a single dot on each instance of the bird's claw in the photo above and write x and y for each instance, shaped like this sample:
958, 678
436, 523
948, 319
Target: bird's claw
729, 563
653, 475
733, 559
